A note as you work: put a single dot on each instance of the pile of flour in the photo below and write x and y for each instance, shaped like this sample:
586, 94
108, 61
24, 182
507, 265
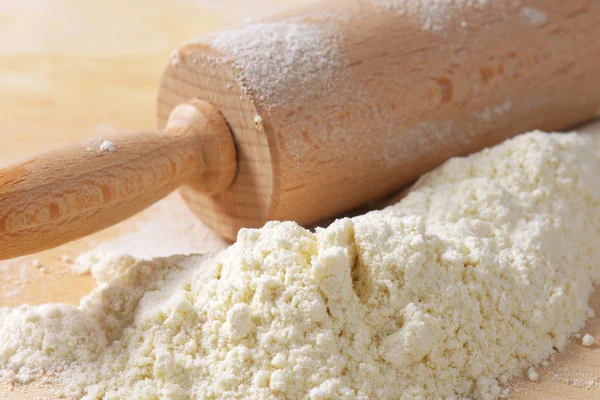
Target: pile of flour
481, 272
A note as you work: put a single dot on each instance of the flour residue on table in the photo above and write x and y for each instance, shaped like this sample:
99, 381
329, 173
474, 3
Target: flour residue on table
165, 228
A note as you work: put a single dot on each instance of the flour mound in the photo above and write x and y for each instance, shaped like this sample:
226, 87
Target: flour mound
480, 273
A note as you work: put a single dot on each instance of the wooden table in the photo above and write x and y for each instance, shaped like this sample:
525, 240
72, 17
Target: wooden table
74, 69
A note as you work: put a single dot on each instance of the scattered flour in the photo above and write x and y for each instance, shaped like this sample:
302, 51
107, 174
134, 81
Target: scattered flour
435, 15
107, 146
100, 145
489, 113
532, 374
14, 275
175, 58
533, 16
587, 340
481, 272
271, 55
165, 228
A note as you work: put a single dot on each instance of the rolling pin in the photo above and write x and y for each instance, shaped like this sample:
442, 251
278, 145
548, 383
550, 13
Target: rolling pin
316, 111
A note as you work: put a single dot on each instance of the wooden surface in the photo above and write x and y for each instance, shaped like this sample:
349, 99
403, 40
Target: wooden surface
67, 74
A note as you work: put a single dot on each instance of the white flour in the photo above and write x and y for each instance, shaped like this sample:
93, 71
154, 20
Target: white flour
587, 340
307, 53
165, 228
271, 55
175, 58
99, 145
434, 15
107, 146
480, 273
13, 277
532, 374
495, 111
533, 16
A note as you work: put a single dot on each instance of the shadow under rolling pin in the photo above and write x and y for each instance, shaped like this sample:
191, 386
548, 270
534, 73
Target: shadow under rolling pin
316, 111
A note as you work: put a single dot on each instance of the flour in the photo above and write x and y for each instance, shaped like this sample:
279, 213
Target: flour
107, 146
167, 227
587, 340
533, 16
14, 275
532, 374
100, 145
175, 58
479, 274
271, 55
489, 113
434, 15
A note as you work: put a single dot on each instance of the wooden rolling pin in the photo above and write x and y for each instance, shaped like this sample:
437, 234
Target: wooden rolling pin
317, 111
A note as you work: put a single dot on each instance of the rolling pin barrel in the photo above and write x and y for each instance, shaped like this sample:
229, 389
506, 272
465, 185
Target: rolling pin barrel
358, 98
327, 107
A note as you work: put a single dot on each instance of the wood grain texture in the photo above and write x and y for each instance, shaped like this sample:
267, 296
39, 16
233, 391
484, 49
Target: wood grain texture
64, 194
403, 99
66, 89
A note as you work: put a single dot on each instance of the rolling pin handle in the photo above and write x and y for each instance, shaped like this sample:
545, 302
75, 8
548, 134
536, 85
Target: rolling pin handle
65, 194
215, 152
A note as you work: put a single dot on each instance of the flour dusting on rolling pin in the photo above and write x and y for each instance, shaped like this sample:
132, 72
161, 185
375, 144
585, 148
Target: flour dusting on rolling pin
379, 92
100, 145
